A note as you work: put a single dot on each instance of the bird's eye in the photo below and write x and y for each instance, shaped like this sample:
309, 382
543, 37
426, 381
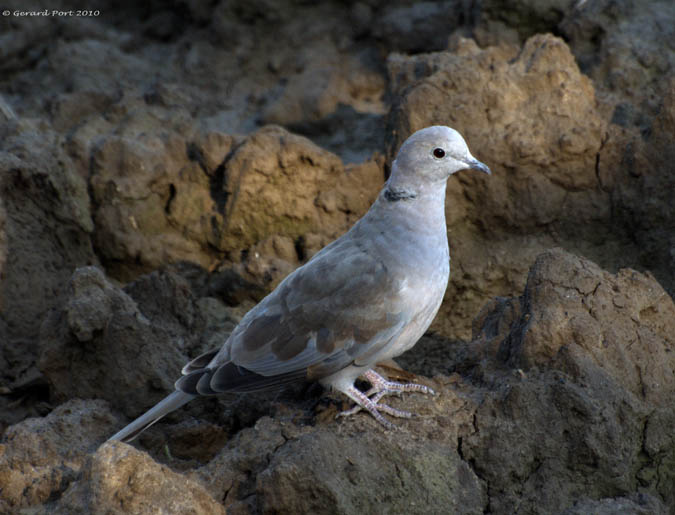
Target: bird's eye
439, 153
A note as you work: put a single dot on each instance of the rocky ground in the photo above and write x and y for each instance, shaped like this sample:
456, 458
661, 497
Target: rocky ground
163, 166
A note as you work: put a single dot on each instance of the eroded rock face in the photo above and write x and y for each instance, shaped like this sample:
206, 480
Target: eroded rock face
642, 183
626, 48
335, 469
120, 479
572, 307
620, 45
640, 504
566, 388
40, 457
165, 199
45, 231
104, 344
276, 183
154, 203
590, 366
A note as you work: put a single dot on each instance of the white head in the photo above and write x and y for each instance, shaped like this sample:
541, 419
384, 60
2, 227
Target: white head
433, 154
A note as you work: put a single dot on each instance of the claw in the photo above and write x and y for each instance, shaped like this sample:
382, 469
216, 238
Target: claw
380, 384
379, 388
363, 402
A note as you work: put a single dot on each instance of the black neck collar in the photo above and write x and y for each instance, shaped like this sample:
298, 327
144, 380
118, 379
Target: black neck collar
393, 195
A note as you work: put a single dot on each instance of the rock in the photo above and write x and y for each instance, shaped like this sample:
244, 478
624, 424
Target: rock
147, 339
71, 68
45, 231
283, 466
620, 45
350, 134
586, 365
527, 17
294, 186
6, 111
167, 301
574, 310
326, 79
155, 205
412, 476
419, 27
550, 437
69, 110
24, 44
641, 184
120, 479
564, 151
639, 504
217, 197
39, 457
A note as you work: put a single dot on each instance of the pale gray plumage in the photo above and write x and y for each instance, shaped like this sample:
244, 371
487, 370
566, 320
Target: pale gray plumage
365, 298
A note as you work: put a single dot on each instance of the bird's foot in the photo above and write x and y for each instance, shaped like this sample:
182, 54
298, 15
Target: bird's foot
379, 388
371, 405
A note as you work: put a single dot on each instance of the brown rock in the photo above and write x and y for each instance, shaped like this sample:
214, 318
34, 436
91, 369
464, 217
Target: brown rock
146, 339
120, 479
162, 199
638, 504
637, 168
574, 310
45, 227
282, 466
619, 44
39, 457
154, 205
279, 183
585, 367
543, 81
70, 109
527, 17
30, 36
326, 78
419, 26
329, 473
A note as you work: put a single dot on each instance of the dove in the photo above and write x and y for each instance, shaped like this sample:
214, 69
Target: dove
363, 299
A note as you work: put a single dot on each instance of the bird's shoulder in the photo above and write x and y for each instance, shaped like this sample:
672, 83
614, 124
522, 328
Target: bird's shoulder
347, 265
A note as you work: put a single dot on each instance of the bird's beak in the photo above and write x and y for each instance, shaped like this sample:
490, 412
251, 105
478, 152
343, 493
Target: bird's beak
475, 164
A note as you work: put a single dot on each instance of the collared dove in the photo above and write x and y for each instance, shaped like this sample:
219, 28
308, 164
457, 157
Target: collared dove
363, 299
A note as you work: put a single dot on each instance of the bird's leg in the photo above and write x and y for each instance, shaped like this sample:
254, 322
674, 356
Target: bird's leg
379, 388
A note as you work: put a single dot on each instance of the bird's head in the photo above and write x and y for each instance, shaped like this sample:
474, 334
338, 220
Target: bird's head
435, 153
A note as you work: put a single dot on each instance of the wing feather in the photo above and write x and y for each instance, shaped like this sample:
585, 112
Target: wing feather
335, 308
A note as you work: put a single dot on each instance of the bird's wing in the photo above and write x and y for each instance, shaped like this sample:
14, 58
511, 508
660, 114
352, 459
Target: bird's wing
325, 315
342, 305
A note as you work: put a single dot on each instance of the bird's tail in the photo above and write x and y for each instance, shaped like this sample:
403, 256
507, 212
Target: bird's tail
164, 407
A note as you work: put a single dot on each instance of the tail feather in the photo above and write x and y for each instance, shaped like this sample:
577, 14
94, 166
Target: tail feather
164, 407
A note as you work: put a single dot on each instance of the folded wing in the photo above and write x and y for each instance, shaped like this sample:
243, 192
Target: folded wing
340, 307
